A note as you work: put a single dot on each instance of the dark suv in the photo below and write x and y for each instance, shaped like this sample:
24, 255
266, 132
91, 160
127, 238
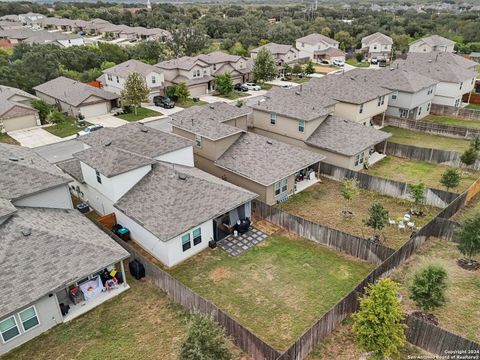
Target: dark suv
164, 101
240, 87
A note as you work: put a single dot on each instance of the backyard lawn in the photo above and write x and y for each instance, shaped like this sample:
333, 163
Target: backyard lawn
7, 139
142, 113
279, 288
473, 106
461, 312
445, 120
412, 171
469, 210
66, 128
421, 139
323, 203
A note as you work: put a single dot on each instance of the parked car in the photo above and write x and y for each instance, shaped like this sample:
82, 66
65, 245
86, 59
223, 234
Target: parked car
90, 129
164, 101
252, 86
338, 62
374, 61
382, 63
240, 87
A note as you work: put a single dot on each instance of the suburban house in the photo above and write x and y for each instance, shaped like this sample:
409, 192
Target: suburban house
146, 178
377, 46
28, 36
356, 101
315, 47
74, 98
430, 44
282, 54
30, 17
411, 93
116, 76
455, 74
198, 72
16, 111
304, 118
272, 169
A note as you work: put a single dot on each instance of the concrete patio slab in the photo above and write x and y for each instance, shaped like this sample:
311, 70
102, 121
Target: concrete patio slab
237, 245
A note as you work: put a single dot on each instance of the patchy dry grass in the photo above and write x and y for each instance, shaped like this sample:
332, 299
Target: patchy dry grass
412, 171
462, 310
323, 203
445, 120
469, 210
7, 139
278, 288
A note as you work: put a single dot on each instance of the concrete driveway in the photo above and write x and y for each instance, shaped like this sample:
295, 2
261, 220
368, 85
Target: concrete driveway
165, 112
107, 120
60, 151
34, 137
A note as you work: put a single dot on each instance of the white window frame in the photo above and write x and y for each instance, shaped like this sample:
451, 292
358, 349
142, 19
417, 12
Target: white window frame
109, 77
36, 315
301, 126
273, 116
280, 185
419, 111
16, 325
189, 241
154, 79
394, 95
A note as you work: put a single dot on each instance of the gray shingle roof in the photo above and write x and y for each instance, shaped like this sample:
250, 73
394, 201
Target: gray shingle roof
218, 111
206, 127
265, 160
72, 92
184, 63
345, 137
306, 103
6, 208
111, 161
216, 57
275, 48
73, 168
23, 172
382, 39
130, 66
435, 40
314, 39
6, 93
64, 246
167, 206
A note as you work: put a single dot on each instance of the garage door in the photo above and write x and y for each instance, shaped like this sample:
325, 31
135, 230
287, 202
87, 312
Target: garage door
18, 123
95, 110
198, 90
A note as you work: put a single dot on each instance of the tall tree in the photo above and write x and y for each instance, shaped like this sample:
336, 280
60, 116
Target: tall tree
469, 156
188, 40
135, 91
377, 217
264, 68
309, 69
469, 237
181, 91
417, 193
427, 287
450, 178
224, 83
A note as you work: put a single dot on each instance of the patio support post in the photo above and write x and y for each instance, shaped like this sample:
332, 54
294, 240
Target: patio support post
123, 273
383, 119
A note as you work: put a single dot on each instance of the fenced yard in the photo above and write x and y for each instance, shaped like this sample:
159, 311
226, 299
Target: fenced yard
413, 171
447, 120
277, 289
323, 203
469, 210
461, 312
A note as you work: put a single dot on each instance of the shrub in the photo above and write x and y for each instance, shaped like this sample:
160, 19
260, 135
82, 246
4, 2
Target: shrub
55, 117
469, 156
171, 92
427, 287
417, 193
224, 84
359, 56
450, 178
43, 108
181, 92
378, 217
469, 237
349, 189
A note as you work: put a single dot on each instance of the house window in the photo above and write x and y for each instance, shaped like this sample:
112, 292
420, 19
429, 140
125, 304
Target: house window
9, 329
214, 66
109, 77
186, 244
118, 79
194, 73
419, 110
273, 118
386, 47
379, 101
301, 126
461, 85
198, 140
29, 318
428, 107
154, 79
280, 187
457, 102
403, 113
99, 178
383, 100
303, 44
394, 95
197, 236
361, 109
359, 159
374, 47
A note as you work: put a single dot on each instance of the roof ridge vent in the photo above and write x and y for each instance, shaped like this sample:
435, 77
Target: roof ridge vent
12, 158
182, 177
269, 142
26, 231
108, 144
145, 130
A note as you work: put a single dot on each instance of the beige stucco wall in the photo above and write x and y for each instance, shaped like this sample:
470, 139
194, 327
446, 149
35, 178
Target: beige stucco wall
352, 111
240, 122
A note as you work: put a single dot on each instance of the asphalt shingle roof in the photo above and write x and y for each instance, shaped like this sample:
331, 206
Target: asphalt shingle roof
206, 127
73, 168
345, 137
167, 205
130, 66
6, 93
382, 39
275, 48
435, 40
314, 39
265, 160
64, 246
6, 208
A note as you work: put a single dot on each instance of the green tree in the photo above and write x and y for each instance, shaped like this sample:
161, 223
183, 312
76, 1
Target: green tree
55, 117
43, 108
204, 341
349, 189
181, 91
188, 40
359, 56
378, 323
171, 92
135, 91
264, 68
287, 69
224, 83
309, 69
297, 69
450, 178
427, 287
345, 39
475, 143
417, 193
469, 237
238, 49
469, 156
377, 217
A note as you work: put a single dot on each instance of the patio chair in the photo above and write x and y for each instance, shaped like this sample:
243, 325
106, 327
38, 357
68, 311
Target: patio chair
411, 224
401, 225
406, 217
391, 222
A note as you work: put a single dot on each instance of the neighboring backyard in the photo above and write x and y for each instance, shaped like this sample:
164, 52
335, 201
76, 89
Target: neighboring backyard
323, 203
66, 127
7, 139
277, 289
421, 139
461, 312
445, 120
141, 323
142, 113
413, 171
469, 210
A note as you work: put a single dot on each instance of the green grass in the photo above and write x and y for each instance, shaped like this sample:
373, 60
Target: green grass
445, 120
473, 106
264, 86
413, 171
234, 95
421, 139
7, 139
300, 80
142, 113
277, 289
189, 103
66, 128
354, 62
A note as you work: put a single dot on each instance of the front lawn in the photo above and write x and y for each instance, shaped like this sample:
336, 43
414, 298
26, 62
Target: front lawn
277, 289
234, 95
421, 139
413, 171
66, 127
445, 120
7, 139
354, 62
473, 106
323, 203
461, 312
189, 103
298, 80
265, 86
325, 69
142, 113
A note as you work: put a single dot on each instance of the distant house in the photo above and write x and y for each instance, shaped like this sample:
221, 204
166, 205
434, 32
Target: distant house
377, 46
16, 111
313, 46
272, 169
430, 44
116, 76
30, 17
283, 54
28, 36
75, 98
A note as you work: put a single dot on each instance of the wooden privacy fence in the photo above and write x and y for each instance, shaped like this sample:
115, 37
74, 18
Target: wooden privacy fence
463, 113
434, 197
432, 127
435, 156
346, 243
446, 229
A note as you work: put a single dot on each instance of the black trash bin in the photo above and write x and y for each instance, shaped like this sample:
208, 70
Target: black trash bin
83, 208
136, 269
